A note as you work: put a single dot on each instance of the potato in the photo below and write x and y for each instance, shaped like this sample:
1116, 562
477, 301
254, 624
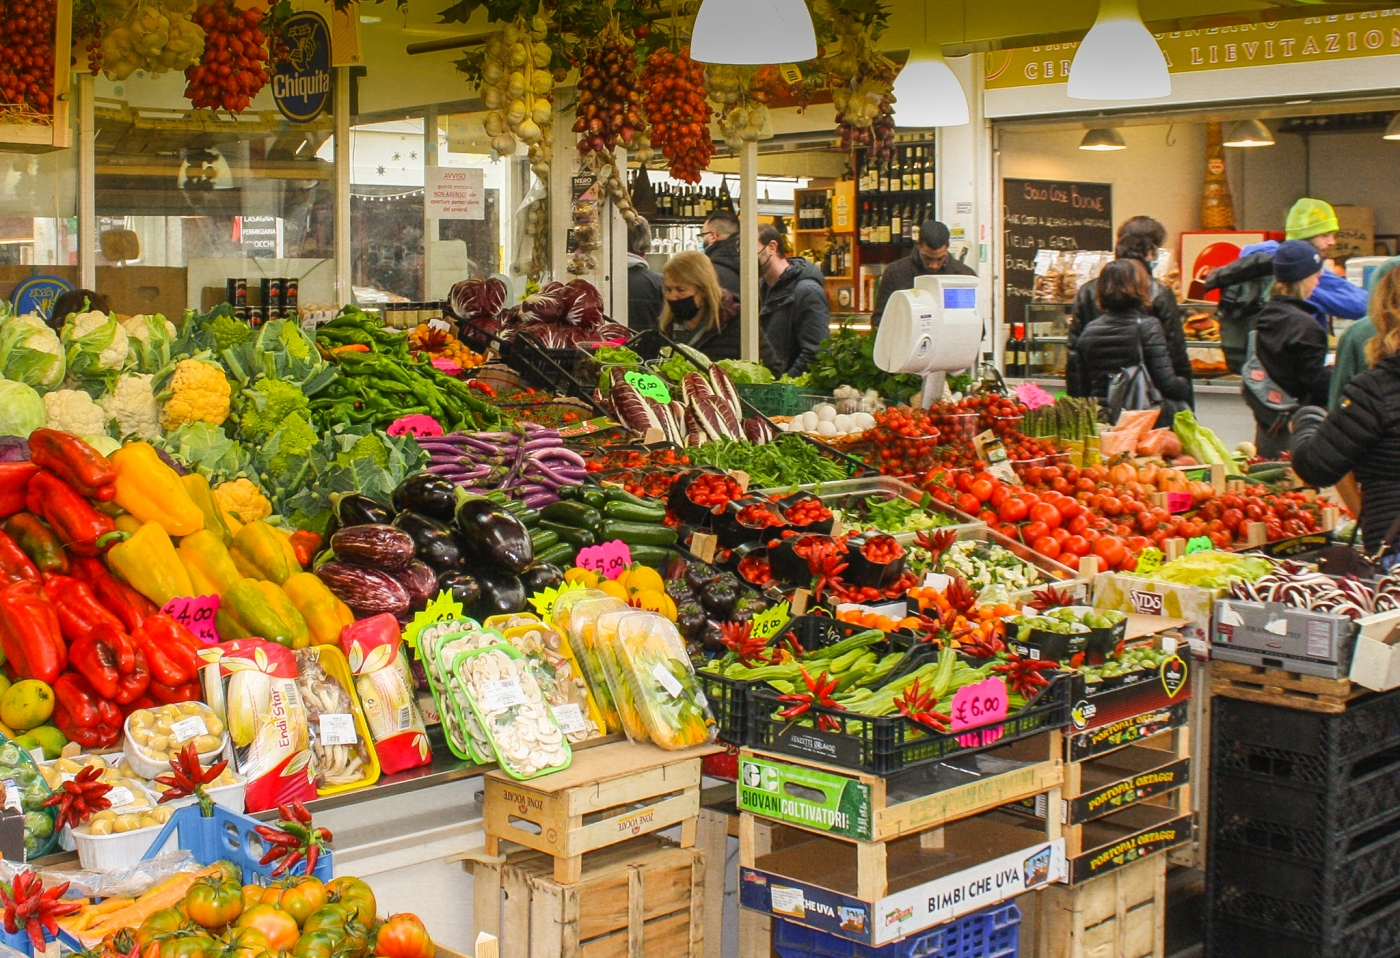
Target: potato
141, 718
123, 824
103, 827
106, 815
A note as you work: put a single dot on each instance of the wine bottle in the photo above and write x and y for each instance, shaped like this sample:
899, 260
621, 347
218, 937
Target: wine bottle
896, 224
928, 170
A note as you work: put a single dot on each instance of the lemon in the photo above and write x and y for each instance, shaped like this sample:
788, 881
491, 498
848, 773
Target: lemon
26, 704
27, 742
50, 739
4, 685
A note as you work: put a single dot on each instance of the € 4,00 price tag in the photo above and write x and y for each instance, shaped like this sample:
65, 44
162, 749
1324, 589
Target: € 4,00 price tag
609, 560
978, 704
196, 613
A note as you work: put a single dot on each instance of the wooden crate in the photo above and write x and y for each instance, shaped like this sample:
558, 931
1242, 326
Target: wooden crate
1254, 683
609, 794
1120, 915
43, 137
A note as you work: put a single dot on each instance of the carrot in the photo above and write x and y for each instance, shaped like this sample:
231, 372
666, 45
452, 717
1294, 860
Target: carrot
165, 895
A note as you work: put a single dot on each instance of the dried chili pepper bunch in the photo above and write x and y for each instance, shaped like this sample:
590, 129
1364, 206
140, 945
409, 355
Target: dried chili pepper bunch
936, 544
1024, 675
819, 691
28, 905
1051, 597
747, 647
80, 798
293, 840
827, 567
918, 704
188, 777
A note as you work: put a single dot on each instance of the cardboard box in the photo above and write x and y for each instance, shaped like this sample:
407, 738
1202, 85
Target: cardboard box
1357, 233
1128, 593
1277, 636
1375, 662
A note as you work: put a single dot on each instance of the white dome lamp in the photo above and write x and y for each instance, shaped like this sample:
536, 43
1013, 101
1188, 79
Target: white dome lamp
753, 31
926, 93
1119, 59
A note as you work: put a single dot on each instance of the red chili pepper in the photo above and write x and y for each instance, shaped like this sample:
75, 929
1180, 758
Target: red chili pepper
172, 651
937, 544
14, 564
745, 646
29, 632
14, 486
119, 598
76, 462
1023, 675
187, 777
305, 544
80, 797
819, 691
80, 527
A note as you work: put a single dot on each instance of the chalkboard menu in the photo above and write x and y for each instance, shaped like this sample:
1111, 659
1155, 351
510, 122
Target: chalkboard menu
1048, 214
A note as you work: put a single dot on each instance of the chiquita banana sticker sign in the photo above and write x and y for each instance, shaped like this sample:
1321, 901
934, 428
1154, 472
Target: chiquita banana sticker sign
301, 87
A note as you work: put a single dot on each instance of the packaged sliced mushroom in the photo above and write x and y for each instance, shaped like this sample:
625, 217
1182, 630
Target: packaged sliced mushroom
464, 734
341, 745
654, 684
583, 633
439, 675
553, 664
511, 708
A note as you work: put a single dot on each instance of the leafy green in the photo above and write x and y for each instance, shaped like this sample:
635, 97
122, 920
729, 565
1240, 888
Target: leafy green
848, 359
895, 515
355, 459
208, 450
616, 356
787, 461
31, 353
21, 409
1202, 443
746, 372
675, 367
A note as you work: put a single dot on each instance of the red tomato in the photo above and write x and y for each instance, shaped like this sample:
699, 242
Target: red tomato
1013, 509
987, 515
1076, 545
969, 503
1069, 509
1110, 505
982, 489
1069, 560
1000, 494
1111, 550
1147, 522
1032, 531
1047, 546
1077, 525
1046, 513
1059, 535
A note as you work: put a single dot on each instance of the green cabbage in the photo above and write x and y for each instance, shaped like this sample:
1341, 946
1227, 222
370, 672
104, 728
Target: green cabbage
31, 353
21, 409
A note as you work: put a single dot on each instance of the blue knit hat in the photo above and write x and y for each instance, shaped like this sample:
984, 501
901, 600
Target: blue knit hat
1295, 261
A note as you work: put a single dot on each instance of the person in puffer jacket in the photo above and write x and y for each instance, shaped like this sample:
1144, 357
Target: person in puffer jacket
794, 314
1290, 343
1110, 343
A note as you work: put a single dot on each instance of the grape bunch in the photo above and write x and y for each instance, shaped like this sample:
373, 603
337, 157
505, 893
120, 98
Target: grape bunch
609, 103
26, 69
673, 95
233, 67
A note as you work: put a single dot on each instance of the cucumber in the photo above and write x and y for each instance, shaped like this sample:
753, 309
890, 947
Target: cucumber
636, 533
543, 539
560, 554
634, 512
572, 535
528, 517
577, 514
655, 556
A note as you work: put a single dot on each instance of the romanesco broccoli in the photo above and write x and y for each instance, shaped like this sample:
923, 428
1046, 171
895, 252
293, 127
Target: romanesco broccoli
366, 447
296, 341
229, 332
293, 439
267, 404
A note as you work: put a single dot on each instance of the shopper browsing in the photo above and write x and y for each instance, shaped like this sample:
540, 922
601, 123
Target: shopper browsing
1351, 347
1138, 239
720, 239
794, 316
697, 312
1286, 355
930, 258
643, 283
1125, 335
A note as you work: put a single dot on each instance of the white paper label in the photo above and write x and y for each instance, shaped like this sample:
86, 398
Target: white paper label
569, 718
439, 324
37, 754
667, 680
1319, 640
12, 797
937, 580
338, 728
1169, 644
67, 776
188, 728
1277, 627
501, 694
1228, 616
120, 796
789, 901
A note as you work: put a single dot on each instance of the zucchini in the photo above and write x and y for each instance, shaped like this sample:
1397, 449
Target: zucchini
577, 514
655, 556
498, 497
528, 516
572, 535
560, 554
515, 507
636, 533
593, 495
619, 494
634, 512
570, 492
543, 539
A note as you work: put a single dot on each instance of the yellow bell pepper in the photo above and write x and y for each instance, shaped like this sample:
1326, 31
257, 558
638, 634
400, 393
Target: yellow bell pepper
149, 564
128, 523
206, 559
201, 495
152, 492
246, 611
260, 552
296, 622
325, 615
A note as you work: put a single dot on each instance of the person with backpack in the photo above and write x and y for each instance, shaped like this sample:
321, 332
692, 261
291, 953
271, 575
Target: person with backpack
1285, 363
1139, 239
1245, 284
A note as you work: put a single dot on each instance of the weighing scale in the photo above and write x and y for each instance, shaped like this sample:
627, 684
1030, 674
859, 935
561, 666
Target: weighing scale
930, 331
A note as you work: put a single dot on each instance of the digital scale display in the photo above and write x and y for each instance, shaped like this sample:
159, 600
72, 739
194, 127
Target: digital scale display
960, 297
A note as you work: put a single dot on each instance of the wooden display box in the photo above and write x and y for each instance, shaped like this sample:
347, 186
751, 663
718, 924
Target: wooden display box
1255, 683
43, 138
1121, 915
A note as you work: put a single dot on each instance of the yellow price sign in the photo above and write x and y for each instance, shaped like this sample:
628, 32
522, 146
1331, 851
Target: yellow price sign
770, 623
441, 608
544, 601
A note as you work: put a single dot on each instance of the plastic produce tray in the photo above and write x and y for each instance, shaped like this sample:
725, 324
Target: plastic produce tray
993, 933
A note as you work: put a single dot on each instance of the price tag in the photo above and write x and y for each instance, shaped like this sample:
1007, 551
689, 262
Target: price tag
338, 728
668, 681
979, 704
12, 796
1149, 561
609, 560
442, 607
415, 425
544, 601
120, 796
501, 694
1034, 396
790, 73
1180, 502
569, 718
1199, 544
186, 729
441, 324
648, 385
768, 624
196, 613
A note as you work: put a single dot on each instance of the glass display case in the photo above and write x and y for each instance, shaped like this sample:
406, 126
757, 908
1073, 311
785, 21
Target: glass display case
1038, 346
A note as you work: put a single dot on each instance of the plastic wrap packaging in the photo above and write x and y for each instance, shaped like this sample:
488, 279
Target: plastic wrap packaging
385, 687
654, 685
466, 737
114, 883
556, 668
511, 708
340, 739
582, 632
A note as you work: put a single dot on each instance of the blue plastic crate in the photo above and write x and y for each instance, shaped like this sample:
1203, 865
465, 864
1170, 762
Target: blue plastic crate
228, 836
991, 933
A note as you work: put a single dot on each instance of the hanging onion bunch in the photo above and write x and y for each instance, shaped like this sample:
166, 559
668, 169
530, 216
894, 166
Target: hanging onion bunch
518, 89
673, 95
233, 67
613, 184
741, 116
861, 83
152, 35
609, 103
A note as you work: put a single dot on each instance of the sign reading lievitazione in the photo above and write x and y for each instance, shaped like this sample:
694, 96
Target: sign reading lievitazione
301, 86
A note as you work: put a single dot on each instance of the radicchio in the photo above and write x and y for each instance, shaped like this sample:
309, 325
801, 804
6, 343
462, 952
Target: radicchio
759, 431
724, 389
694, 386
633, 410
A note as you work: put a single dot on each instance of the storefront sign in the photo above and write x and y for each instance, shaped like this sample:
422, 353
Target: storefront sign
301, 84
1054, 215
38, 293
455, 193
1306, 40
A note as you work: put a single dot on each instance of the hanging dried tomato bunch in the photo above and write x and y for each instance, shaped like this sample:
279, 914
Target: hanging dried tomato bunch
234, 65
609, 103
673, 95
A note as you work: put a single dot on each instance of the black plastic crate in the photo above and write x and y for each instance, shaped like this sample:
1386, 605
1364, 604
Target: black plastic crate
1255, 926
543, 368
1305, 748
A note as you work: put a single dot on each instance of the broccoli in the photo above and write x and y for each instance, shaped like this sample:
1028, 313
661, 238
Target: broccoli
267, 404
229, 332
295, 341
293, 439
366, 447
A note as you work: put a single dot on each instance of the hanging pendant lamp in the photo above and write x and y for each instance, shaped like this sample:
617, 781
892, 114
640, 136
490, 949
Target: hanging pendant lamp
1119, 59
753, 31
926, 93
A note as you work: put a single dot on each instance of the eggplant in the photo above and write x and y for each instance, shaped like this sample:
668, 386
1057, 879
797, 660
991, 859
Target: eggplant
720, 596
464, 587
691, 621
428, 495
374, 544
367, 591
433, 542
492, 538
352, 509
541, 576
712, 640
501, 594
420, 581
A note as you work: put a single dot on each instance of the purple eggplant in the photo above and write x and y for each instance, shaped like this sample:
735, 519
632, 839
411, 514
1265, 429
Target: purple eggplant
367, 591
377, 545
420, 581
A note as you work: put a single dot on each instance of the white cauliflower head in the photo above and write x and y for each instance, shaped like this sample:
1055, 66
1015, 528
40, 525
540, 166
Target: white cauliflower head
141, 327
98, 335
73, 410
132, 404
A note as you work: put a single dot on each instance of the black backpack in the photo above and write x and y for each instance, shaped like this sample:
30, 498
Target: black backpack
1240, 302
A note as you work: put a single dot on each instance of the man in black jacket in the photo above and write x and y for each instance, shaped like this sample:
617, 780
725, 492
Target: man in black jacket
720, 236
930, 258
794, 315
643, 282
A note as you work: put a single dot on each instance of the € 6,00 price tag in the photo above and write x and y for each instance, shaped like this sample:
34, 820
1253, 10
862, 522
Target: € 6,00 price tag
978, 704
609, 560
196, 613
648, 385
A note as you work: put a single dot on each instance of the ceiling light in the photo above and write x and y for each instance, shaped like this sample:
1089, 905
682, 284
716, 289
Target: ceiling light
753, 31
1392, 132
369, 19
1103, 140
1247, 133
1119, 59
926, 92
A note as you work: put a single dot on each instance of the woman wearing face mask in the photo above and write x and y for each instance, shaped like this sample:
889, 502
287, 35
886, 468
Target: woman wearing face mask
697, 312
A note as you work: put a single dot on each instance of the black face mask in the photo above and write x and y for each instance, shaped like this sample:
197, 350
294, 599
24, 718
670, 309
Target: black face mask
684, 309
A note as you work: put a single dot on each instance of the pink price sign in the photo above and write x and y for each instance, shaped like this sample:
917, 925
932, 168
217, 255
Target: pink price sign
1180, 502
978, 704
609, 560
196, 613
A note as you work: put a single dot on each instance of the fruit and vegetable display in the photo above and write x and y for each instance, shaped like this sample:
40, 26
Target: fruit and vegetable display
27, 74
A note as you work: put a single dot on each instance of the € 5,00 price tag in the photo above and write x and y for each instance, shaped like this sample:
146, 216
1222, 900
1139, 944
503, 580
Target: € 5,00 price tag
196, 613
609, 560
978, 704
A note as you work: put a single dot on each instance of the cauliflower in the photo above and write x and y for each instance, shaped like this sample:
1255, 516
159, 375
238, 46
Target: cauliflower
73, 410
242, 499
149, 339
198, 391
267, 404
133, 405
96, 343
145, 328
31, 353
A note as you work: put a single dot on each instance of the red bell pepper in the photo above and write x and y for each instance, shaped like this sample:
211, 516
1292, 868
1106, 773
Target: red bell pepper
14, 564
80, 614
83, 715
132, 686
37, 541
172, 651
29, 632
95, 662
77, 463
305, 544
14, 486
79, 526
116, 596
166, 694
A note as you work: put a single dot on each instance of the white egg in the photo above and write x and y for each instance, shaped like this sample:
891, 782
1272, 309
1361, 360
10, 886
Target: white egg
809, 421
863, 420
826, 412
826, 428
792, 425
843, 423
